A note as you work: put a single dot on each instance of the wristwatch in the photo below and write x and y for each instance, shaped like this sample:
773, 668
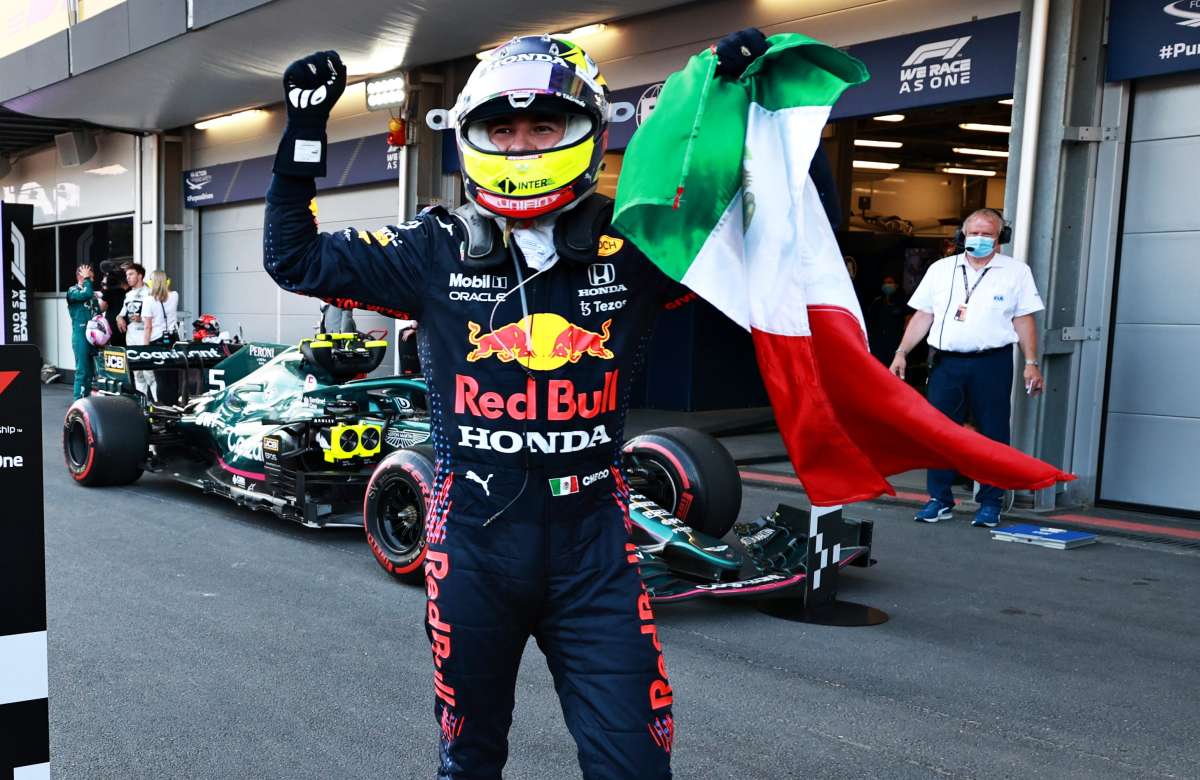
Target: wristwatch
1032, 363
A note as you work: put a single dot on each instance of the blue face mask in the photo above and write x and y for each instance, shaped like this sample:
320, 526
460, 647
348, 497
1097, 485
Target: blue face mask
888, 289
980, 246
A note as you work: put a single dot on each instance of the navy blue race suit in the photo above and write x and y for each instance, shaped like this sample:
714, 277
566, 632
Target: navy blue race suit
528, 530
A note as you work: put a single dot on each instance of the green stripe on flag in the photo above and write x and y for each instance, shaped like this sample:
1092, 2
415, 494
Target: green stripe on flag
691, 145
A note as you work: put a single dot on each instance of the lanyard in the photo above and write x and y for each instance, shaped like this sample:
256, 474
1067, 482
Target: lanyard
966, 291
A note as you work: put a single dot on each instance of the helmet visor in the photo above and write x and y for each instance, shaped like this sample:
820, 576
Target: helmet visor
506, 87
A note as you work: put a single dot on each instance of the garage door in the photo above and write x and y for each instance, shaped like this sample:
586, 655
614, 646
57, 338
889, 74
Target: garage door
234, 287
1152, 431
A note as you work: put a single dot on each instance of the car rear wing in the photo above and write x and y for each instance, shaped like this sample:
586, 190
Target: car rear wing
115, 365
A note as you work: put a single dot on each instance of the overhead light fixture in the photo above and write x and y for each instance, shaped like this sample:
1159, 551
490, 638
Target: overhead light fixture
381, 60
980, 152
877, 144
985, 128
116, 169
969, 171
386, 91
873, 165
1005, 102
890, 118
586, 30
219, 121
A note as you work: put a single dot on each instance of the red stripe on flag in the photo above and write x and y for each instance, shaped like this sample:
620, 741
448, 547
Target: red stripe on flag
848, 422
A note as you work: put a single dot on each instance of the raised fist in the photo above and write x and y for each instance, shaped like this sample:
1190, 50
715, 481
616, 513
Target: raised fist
312, 86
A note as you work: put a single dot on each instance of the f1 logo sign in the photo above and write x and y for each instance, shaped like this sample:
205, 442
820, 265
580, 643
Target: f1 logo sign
6, 379
601, 273
946, 50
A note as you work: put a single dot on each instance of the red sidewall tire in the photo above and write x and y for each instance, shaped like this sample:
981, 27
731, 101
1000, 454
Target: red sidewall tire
394, 510
105, 440
705, 489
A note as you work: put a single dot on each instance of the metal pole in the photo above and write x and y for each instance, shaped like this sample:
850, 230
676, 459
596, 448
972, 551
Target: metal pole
401, 207
1032, 101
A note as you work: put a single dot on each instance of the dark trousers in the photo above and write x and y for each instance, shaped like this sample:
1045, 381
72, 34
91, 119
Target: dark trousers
560, 569
981, 385
84, 369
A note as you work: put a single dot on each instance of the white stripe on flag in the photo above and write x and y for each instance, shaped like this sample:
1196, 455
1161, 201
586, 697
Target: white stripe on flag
792, 257
718, 273
23, 667
32, 772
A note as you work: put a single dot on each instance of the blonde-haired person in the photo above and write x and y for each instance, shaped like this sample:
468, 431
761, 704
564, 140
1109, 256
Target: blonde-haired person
160, 314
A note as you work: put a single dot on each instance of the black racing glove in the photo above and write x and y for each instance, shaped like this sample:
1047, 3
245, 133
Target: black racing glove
737, 50
311, 87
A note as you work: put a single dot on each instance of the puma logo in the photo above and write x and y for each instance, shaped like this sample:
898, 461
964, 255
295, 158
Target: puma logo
483, 483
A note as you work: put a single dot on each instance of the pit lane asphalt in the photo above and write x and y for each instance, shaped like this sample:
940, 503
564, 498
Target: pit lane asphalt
193, 639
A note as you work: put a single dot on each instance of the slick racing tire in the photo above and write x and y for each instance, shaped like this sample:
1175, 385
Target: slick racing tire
394, 512
105, 439
688, 473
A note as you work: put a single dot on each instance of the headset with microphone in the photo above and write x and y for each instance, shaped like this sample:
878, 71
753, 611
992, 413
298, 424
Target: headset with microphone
960, 244
1005, 237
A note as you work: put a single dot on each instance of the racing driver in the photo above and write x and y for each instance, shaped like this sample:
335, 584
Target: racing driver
535, 316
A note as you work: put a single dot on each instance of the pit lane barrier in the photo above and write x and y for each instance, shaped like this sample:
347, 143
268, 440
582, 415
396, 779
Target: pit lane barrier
24, 710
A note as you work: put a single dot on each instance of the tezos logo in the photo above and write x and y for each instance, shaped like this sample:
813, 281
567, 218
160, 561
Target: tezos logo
1191, 18
601, 273
946, 66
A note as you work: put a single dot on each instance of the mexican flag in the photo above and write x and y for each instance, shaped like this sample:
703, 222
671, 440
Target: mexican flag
715, 190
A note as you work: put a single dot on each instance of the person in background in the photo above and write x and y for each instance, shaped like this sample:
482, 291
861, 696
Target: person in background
974, 306
885, 321
159, 315
131, 321
113, 298
82, 306
335, 320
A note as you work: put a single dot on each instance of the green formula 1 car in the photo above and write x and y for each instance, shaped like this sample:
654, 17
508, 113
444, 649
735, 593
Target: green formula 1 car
299, 431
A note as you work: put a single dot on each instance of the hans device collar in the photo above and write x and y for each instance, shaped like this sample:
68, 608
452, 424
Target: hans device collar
576, 233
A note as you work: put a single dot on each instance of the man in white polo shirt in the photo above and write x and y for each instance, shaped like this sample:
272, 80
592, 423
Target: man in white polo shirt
974, 306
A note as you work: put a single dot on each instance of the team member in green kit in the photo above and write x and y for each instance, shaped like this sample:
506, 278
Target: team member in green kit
81, 305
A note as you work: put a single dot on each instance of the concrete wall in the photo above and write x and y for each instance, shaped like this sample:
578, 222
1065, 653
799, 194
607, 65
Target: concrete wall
234, 286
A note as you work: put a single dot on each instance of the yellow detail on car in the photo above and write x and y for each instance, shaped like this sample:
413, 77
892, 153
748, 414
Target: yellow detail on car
360, 440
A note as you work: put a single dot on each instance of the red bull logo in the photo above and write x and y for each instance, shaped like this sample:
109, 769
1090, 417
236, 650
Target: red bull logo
508, 343
575, 342
541, 342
